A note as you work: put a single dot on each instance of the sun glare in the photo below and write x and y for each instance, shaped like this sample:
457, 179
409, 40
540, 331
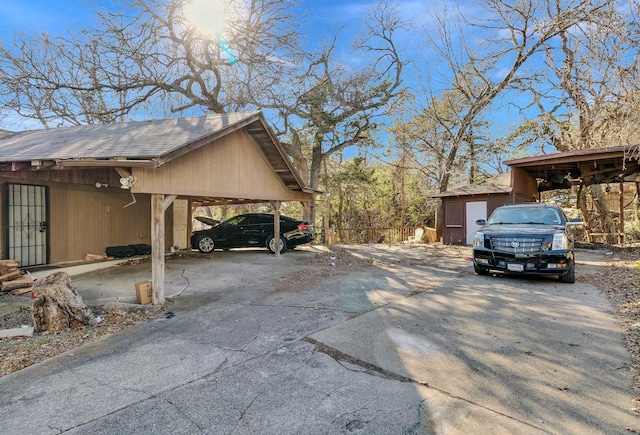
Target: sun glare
207, 15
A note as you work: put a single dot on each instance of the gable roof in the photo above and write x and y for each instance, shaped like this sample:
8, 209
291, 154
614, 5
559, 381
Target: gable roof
140, 143
500, 183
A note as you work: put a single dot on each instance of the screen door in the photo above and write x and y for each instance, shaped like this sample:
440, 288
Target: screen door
27, 224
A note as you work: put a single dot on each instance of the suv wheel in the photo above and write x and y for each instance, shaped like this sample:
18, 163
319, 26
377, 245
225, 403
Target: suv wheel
479, 270
570, 275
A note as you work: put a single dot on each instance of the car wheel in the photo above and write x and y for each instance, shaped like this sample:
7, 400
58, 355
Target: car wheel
570, 275
205, 244
271, 244
479, 270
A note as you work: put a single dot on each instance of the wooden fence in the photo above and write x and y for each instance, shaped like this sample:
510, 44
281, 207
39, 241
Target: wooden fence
378, 235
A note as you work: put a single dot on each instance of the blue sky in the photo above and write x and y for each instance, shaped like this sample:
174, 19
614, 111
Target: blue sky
53, 16
41, 15
56, 17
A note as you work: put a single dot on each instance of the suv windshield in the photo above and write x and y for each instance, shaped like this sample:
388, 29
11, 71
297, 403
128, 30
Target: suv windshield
526, 215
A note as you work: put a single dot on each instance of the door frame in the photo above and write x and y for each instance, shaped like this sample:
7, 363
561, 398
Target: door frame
44, 227
471, 215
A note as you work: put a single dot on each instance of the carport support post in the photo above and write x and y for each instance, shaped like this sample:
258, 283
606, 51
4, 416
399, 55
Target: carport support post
157, 248
158, 206
276, 225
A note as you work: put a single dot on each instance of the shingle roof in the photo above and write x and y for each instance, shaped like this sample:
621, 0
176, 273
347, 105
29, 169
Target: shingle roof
140, 143
500, 183
130, 140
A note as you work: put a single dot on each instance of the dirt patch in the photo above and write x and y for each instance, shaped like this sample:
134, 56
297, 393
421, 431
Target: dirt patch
20, 352
620, 281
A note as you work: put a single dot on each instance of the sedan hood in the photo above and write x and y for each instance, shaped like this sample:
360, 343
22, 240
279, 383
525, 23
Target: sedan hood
207, 220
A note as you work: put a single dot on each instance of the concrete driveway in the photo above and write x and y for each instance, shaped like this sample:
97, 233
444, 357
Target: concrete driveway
413, 343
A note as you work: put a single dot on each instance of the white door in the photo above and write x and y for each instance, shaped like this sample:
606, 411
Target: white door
180, 216
475, 210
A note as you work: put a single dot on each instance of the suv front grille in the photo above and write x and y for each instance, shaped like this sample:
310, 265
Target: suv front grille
517, 245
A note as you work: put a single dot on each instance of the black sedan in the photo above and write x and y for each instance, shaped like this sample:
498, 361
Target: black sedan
253, 230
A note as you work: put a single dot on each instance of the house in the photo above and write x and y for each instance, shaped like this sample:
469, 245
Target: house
75, 190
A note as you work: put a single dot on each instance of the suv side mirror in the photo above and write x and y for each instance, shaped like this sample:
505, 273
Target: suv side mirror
481, 222
575, 221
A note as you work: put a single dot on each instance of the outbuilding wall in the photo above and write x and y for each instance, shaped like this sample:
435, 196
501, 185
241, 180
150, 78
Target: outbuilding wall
454, 214
525, 188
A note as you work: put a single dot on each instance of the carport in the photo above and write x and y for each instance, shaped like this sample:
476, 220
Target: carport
590, 166
614, 165
69, 191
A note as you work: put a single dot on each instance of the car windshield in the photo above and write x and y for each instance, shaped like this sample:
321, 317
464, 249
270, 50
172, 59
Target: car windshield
525, 215
237, 220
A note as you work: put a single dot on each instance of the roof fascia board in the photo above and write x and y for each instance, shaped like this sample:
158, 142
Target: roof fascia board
89, 163
281, 151
571, 156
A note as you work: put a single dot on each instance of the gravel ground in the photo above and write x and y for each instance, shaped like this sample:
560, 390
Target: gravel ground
619, 280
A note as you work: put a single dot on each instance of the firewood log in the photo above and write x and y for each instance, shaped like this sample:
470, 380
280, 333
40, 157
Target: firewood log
10, 276
21, 291
17, 283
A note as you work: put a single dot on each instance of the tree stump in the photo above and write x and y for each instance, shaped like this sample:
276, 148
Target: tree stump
58, 306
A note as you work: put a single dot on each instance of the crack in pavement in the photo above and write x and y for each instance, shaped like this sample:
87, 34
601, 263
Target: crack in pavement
373, 370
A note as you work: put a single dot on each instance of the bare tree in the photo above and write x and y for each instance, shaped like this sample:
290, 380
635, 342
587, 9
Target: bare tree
149, 58
518, 32
474, 60
331, 104
588, 95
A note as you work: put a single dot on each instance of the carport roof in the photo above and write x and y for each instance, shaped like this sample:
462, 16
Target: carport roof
588, 166
138, 144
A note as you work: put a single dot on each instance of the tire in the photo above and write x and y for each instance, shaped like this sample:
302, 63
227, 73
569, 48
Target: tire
569, 276
271, 244
205, 244
479, 270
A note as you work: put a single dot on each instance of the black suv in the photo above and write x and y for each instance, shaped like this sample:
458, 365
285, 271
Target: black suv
253, 230
525, 239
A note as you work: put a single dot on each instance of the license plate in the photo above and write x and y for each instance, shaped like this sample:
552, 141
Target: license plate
515, 267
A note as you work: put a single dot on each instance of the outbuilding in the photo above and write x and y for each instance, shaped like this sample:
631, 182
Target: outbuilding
75, 190
462, 206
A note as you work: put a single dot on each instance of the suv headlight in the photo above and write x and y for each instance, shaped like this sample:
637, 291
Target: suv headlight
560, 242
478, 240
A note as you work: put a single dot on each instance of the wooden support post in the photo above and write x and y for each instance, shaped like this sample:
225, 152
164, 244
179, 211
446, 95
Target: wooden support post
276, 225
168, 201
621, 229
157, 248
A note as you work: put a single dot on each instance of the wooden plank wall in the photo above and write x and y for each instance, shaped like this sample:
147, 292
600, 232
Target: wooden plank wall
231, 167
85, 219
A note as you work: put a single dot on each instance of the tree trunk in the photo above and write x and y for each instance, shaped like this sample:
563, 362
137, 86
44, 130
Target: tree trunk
58, 306
602, 207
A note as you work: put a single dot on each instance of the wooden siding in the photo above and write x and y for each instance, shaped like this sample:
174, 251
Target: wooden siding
85, 219
525, 187
88, 220
455, 231
230, 167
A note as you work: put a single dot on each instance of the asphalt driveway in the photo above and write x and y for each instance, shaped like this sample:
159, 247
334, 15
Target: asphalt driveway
392, 339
